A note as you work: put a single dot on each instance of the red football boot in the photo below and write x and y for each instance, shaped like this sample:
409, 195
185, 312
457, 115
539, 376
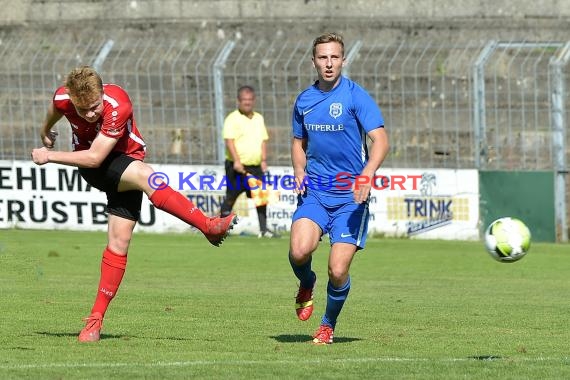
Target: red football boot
92, 329
324, 335
219, 227
304, 302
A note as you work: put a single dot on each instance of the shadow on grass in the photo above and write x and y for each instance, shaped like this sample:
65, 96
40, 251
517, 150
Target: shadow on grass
485, 357
300, 338
75, 334
107, 336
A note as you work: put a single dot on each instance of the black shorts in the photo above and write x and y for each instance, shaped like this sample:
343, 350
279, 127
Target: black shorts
126, 204
237, 182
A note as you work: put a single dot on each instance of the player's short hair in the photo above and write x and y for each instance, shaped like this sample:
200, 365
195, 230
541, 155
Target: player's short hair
328, 37
84, 85
245, 88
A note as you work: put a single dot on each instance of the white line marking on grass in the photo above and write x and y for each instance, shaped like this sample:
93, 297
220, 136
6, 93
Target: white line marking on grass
192, 363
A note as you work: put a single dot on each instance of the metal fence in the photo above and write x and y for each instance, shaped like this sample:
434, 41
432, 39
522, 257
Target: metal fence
478, 105
488, 105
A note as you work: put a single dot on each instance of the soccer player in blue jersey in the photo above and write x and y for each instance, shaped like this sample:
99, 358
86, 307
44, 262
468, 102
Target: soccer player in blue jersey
331, 122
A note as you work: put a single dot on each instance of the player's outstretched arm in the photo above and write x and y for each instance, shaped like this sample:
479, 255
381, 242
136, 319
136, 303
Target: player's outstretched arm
90, 158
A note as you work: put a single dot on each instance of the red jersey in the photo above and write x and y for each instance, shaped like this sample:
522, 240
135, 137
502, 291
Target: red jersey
116, 121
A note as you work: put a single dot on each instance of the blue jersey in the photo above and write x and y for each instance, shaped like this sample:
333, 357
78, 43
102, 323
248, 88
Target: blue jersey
335, 124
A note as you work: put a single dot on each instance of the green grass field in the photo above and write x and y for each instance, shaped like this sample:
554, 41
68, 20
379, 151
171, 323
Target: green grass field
417, 310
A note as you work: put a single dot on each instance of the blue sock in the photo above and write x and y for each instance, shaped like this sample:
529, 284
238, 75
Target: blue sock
335, 301
303, 272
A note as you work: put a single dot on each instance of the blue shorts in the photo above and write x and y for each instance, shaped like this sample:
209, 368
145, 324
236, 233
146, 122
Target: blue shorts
345, 223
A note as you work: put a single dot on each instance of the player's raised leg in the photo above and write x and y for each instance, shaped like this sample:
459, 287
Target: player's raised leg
337, 290
137, 175
305, 235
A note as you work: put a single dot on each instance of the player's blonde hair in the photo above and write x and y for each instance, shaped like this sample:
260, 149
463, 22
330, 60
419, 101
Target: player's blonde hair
328, 37
84, 85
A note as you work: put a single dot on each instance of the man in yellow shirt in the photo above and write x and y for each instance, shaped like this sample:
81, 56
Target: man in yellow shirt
245, 138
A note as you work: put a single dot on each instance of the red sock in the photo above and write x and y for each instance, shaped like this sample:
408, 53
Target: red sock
178, 205
112, 271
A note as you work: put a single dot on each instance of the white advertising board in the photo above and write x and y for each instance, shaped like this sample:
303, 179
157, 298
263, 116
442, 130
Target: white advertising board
432, 204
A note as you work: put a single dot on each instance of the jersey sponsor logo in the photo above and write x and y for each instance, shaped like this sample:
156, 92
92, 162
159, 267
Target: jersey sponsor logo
324, 127
335, 110
307, 111
114, 132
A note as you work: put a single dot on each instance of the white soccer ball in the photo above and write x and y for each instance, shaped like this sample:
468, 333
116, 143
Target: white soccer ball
507, 240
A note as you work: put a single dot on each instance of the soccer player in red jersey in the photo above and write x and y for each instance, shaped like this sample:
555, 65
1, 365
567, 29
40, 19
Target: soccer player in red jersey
109, 150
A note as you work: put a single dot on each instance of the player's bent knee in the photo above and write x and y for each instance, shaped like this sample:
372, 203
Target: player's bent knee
144, 171
338, 276
299, 257
136, 177
300, 252
119, 244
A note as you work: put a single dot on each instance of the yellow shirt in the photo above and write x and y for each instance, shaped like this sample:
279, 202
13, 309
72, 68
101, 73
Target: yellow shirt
248, 134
